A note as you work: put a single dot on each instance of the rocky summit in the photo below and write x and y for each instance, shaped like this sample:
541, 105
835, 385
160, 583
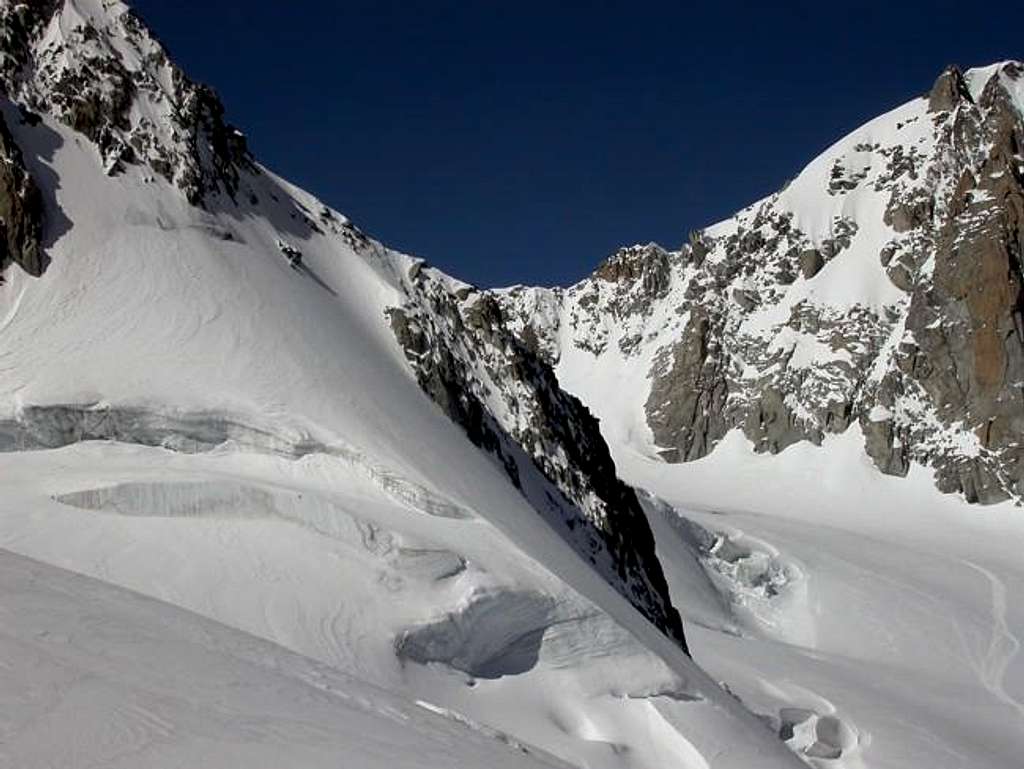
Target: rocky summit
107, 77
880, 290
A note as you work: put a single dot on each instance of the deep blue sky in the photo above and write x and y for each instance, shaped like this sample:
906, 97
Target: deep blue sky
524, 141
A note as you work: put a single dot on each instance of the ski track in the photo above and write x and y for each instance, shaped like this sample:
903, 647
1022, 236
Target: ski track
13, 312
1003, 647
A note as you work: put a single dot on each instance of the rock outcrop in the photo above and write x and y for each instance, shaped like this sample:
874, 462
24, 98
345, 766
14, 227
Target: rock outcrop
21, 210
96, 68
506, 397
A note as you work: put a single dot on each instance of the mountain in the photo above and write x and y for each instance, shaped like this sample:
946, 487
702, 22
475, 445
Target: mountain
881, 288
206, 398
104, 77
355, 504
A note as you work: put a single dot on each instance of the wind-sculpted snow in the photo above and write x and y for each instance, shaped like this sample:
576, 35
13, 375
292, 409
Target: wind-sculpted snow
311, 554
95, 675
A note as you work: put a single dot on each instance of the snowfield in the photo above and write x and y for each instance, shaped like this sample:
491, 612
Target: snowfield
893, 618
94, 675
235, 532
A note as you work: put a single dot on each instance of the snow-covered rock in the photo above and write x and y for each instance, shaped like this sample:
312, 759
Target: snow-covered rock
93, 66
885, 278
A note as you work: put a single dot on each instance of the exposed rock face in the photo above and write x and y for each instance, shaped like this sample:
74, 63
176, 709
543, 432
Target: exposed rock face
688, 396
508, 400
94, 67
811, 262
915, 334
948, 91
647, 265
21, 210
966, 320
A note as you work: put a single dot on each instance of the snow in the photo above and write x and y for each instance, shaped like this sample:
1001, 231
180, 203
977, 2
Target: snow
304, 562
312, 556
897, 623
856, 275
806, 350
95, 675
277, 470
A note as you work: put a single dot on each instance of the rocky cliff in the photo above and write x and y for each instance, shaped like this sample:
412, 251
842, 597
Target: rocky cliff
881, 288
21, 209
507, 399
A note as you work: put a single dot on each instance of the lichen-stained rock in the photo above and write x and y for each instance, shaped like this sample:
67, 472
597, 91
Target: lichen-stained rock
882, 288
97, 69
21, 210
459, 344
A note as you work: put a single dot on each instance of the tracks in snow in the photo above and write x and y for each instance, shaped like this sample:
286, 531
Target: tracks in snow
1003, 647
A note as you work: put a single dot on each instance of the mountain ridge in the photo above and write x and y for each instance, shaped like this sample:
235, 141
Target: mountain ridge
219, 392
787, 321
95, 68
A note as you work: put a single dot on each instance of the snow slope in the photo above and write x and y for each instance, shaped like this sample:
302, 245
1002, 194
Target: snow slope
189, 412
894, 610
269, 461
94, 675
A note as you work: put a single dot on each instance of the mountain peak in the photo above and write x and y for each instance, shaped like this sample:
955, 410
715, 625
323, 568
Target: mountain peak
94, 66
880, 290
949, 88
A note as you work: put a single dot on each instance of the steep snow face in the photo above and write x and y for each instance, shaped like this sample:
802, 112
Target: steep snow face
203, 398
881, 287
93, 67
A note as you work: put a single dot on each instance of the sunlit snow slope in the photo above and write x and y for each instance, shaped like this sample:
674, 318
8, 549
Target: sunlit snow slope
190, 412
95, 675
